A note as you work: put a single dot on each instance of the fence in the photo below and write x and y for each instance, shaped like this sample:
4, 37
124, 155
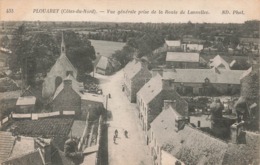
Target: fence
35, 116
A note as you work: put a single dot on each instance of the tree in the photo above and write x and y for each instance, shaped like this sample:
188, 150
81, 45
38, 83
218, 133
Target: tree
79, 51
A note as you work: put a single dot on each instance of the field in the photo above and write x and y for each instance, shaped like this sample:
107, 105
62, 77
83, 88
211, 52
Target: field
106, 48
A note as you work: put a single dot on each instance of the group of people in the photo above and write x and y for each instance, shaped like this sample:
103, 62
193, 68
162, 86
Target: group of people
116, 135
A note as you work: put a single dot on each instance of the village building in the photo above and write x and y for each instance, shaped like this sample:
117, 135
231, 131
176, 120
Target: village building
67, 97
250, 96
172, 45
26, 104
151, 96
191, 40
33, 151
173, 140
219, 62
136, 74
204, 81
104, 66
182, 60
59, 71
192, 47
92, 104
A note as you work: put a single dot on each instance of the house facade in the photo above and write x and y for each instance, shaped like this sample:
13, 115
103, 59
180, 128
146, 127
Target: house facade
150, 99
26, 104
136, 74
104, 66
172, 45
92, 104
59, 71
175, 141
68, 96
182, 60
205, 81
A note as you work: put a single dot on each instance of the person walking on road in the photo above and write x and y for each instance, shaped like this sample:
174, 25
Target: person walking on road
116, 133
114, 139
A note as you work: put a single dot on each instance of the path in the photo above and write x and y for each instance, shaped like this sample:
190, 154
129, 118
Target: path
126, 151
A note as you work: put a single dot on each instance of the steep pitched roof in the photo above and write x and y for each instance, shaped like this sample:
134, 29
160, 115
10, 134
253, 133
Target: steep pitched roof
173, 42
22, 146
31, 158
182, 57
103, 63
76, 86
132, 68
247, 153
6, 145
218, 61
26, 100
151, 89
217, 76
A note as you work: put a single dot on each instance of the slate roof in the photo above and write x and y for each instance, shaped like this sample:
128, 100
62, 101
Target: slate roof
6, 145
93, 97
217, 61
22, 146
76, 86
32, 158
132, 68
216, 76
10, 95
151, 89
182, 57
193, 146
247, 153
103, 63
26, 100
173, 43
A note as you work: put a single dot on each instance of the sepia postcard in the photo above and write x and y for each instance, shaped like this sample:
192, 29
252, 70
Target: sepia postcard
118, 82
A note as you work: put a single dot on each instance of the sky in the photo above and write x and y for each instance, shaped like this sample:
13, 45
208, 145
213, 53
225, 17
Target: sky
239, 10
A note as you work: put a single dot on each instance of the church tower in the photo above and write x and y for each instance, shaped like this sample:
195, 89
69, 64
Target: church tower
63, 50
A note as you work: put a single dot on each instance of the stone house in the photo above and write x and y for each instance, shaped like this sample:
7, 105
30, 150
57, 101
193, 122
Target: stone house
192, 47
67, 97
150, 99
174, 140
26, 104
219, 62
92, 104
172, 45
136, 74
204, 81
104, 66
59, 71
182, 59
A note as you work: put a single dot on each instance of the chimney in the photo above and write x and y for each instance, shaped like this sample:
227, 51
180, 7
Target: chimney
179, 123
67, 83
157, 71
45, 146
237, 133
168, 103
168, 84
